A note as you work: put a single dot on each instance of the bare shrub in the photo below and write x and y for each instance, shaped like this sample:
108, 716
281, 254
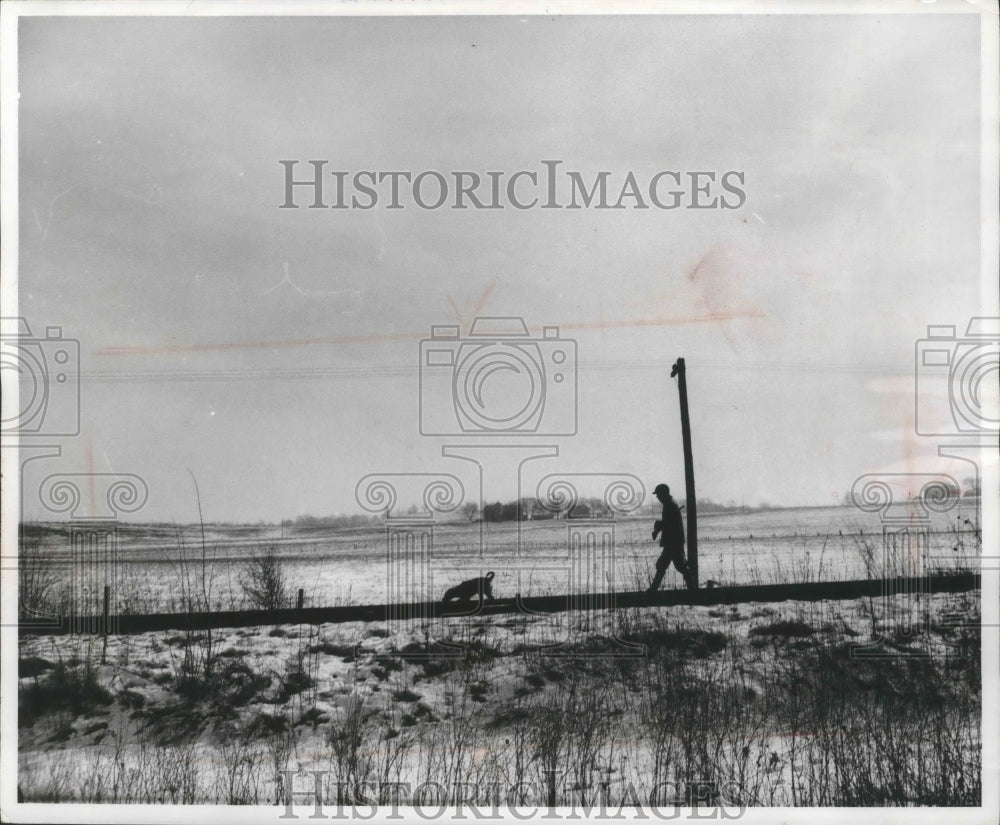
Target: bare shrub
40, 591
72, 689
263, 582
242, 775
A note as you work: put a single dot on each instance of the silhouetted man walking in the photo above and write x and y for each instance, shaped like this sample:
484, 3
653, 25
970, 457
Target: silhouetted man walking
670, 529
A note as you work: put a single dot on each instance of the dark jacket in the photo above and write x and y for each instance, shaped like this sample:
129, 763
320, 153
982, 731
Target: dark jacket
671, 525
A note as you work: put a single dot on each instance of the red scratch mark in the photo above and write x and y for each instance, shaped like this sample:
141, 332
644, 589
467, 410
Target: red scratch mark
703, 262
720, 279
458, 315
90, 471
480, 305
711, 318
174, 349
484, 298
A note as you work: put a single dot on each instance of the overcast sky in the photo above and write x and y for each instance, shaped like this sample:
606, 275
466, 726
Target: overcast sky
150, 230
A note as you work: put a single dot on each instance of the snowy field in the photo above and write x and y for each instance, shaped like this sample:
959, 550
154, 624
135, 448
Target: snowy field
862, 702
161, 567
871, 701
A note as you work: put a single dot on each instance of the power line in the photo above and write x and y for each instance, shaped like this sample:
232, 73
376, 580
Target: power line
386, 371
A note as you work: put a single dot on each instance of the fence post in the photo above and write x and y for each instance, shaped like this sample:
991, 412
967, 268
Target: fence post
301, 599
106, 621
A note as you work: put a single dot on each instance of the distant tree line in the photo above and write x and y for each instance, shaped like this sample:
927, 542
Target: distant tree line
529, 509
971, 487
324, 522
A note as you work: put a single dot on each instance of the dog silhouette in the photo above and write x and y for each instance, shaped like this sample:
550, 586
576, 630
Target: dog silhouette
481, 587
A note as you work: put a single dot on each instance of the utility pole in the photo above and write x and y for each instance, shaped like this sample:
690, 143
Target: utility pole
692, 505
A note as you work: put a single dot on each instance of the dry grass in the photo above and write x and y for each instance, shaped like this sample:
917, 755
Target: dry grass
871, 702
761, 705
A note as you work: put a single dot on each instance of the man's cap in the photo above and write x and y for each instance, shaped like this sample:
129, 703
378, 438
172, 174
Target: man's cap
661, 488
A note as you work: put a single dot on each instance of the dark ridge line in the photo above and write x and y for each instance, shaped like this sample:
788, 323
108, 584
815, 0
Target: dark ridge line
804, 591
